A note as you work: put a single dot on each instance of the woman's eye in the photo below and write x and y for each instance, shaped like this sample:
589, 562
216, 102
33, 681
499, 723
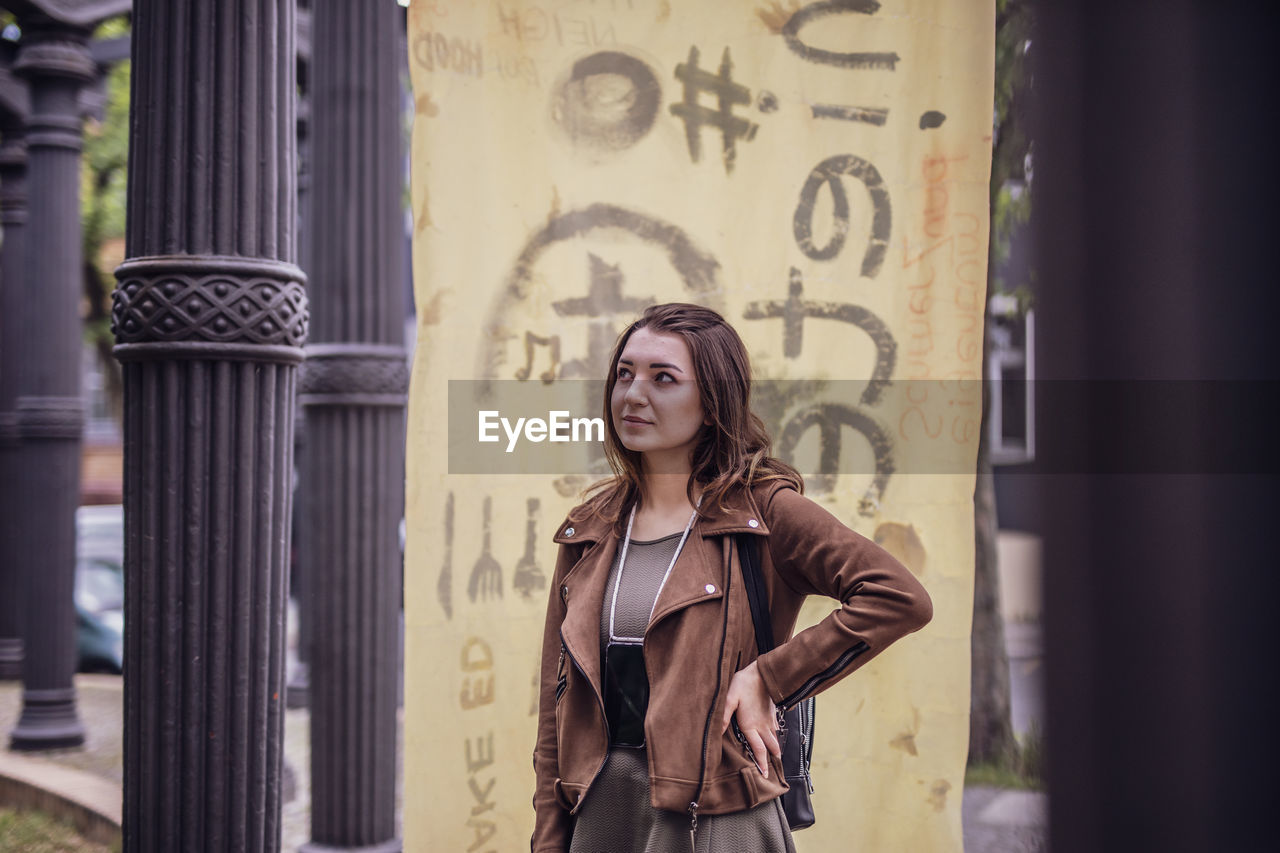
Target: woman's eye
664, 377
624, 373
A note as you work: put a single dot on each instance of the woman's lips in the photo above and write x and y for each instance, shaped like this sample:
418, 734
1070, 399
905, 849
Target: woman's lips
630, 419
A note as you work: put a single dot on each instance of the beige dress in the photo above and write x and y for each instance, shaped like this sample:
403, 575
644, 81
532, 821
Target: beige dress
616, 816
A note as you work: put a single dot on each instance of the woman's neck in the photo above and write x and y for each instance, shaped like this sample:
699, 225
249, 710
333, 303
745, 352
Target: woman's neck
666, 493
665, 507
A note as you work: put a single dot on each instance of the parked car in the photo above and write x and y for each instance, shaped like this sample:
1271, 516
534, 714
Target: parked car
99, 594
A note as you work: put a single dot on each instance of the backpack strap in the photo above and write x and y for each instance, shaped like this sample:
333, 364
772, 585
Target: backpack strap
756, 593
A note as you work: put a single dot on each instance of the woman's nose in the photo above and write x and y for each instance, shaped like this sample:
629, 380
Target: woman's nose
636, 394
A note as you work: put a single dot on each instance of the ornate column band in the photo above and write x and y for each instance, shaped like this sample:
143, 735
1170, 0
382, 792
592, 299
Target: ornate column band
355, 375
53, 131
219, 307
62, 61
50, 418
63, 55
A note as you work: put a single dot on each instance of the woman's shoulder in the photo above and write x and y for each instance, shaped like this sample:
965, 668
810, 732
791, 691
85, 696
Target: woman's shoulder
595, 514
599, 499
765, 492
723, 501
780, 502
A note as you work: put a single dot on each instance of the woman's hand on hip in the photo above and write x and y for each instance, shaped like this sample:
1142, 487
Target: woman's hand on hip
756, 713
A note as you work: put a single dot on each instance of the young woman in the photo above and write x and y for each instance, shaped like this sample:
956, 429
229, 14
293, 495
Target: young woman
649, 648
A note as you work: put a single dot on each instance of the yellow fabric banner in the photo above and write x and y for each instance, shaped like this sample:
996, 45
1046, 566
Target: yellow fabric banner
815, 172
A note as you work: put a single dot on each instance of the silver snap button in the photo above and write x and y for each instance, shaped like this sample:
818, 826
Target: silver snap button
751, 522
568, 531
564, 592
710, 588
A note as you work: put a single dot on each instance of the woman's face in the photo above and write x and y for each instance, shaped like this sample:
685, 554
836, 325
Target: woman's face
656, 405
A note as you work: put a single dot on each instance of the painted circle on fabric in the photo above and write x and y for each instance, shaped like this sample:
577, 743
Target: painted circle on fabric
608, 102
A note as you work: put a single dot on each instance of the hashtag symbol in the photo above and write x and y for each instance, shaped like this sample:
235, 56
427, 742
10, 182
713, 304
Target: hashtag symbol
695, 115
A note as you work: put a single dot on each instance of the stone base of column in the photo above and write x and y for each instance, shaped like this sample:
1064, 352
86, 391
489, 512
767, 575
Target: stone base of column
296, 692
10, 658
391, 846
49, 721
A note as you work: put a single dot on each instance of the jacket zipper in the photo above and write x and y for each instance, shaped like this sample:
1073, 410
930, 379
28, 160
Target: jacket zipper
562, 681
600, 703
706, 730
830, 672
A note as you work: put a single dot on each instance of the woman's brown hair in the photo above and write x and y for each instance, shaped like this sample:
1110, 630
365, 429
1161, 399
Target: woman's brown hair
732, 451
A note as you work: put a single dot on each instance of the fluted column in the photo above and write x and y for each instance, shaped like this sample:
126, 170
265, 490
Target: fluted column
13, 218
210, 316
354, 388
54, 58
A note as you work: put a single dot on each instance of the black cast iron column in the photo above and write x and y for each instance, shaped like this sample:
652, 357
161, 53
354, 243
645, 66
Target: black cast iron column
13, 218
354, 388
54, 58
210, 316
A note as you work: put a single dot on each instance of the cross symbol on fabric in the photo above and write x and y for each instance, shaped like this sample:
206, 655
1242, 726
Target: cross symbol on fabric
794, 310
603, 301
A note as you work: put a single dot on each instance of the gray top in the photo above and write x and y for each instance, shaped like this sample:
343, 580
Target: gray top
647, 562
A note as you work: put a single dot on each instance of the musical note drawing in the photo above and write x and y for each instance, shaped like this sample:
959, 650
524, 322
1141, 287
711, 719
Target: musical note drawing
529, 577
530, 341
444, 585
486, 574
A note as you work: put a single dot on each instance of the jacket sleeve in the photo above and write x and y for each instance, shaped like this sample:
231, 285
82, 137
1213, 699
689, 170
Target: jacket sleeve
813, 553
553, 825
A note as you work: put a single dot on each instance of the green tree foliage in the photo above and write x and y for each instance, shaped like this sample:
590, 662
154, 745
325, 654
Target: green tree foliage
1011, 151
104, 170
991, 737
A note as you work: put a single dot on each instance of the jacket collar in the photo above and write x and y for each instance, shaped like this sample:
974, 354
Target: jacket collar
741, 516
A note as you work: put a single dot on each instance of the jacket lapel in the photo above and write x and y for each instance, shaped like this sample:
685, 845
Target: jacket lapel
702, 568
697, 576
586, 583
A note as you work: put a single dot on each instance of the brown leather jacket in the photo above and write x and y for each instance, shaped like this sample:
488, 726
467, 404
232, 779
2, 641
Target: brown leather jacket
700, 635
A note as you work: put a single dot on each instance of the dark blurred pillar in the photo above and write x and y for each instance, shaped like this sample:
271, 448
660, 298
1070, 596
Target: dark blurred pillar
354, 388
54, 58
13, 219
210, 317
1155, 206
